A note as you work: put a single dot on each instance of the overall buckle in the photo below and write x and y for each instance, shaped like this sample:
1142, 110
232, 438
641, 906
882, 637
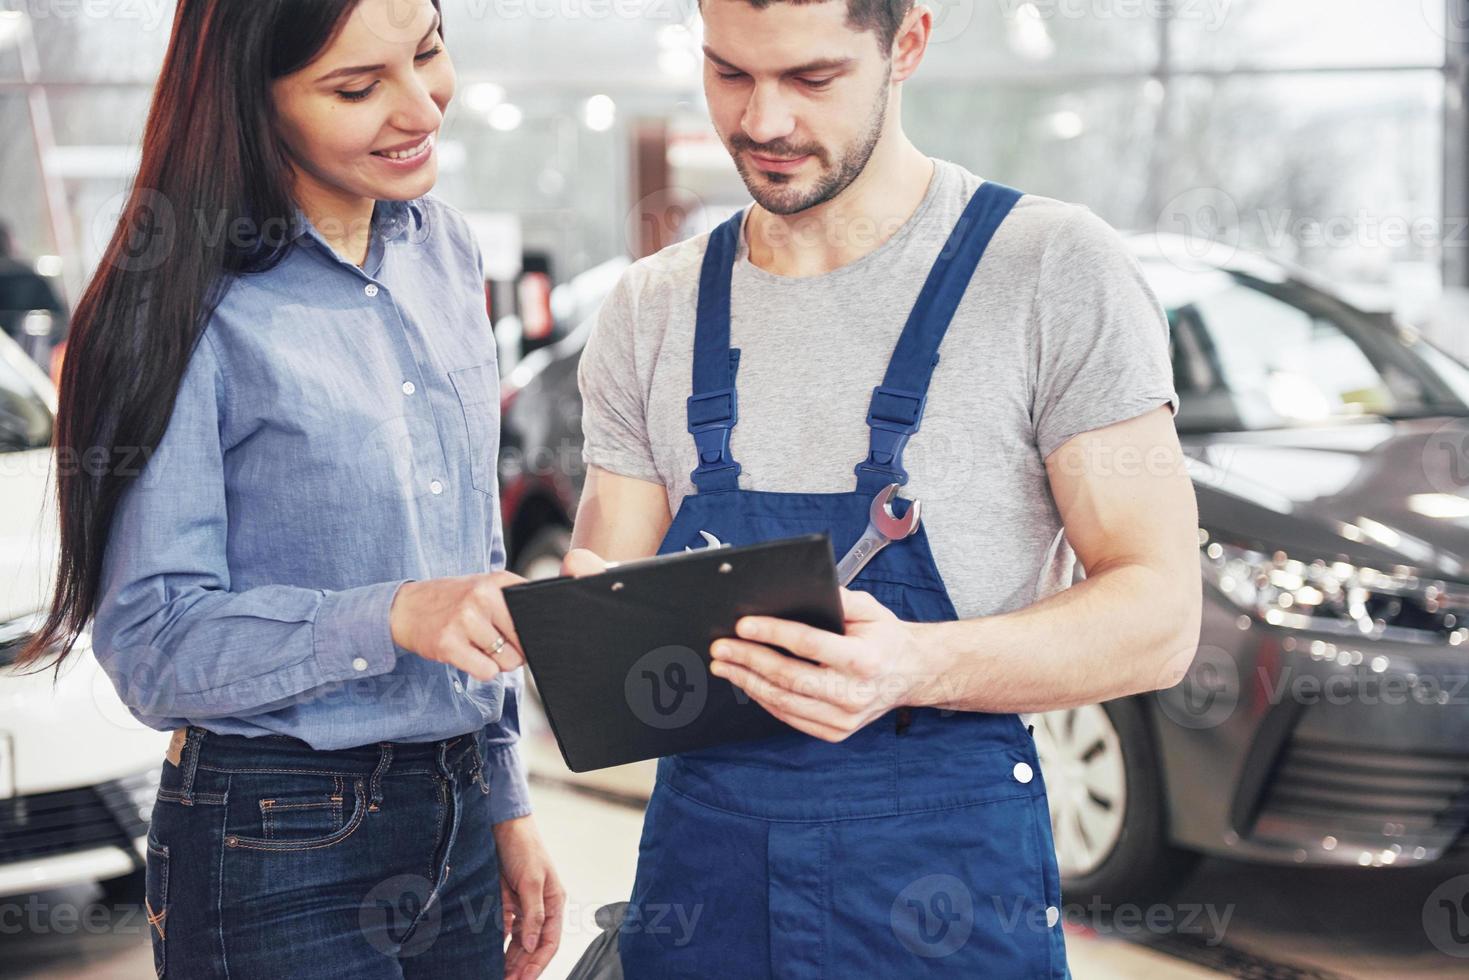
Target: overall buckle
711, 417
893, 416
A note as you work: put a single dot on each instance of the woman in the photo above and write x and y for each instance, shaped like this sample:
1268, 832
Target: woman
277, 477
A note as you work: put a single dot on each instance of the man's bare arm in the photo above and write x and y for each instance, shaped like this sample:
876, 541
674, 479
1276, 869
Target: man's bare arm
619, 518
1132, 626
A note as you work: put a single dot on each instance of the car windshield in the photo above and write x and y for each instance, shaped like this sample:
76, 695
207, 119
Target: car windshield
1251, 354
25, 420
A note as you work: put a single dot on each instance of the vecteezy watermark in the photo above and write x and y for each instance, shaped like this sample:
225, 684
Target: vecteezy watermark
1206, 694
933, 916
1446, 917
1207, 221
672, 919
147, 679
151, 226
653, 11
667, 688
951, 18
1122, 919
1447, 19
399, 916
1211, 14
403, 917
148, 233
1212, 226
1446, 457
34, 915
150, 14
665, 216
1211, 687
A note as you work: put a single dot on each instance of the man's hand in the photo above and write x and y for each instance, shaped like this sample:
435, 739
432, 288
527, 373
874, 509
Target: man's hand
878, 665
532, 899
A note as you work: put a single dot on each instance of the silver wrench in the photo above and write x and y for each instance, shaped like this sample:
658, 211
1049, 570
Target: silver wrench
710, 541
883, 528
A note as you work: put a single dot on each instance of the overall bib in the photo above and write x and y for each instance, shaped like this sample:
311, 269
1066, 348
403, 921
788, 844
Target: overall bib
921, 845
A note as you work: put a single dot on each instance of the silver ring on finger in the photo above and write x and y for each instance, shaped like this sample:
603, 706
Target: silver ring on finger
499, 645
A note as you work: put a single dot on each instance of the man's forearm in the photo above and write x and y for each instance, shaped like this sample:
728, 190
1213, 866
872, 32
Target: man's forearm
1125, 630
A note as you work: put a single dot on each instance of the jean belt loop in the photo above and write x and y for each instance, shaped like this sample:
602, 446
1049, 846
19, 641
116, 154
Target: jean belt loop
190, 759
385, 759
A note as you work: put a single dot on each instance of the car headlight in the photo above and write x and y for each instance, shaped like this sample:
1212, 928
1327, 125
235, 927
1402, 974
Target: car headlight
1337, 596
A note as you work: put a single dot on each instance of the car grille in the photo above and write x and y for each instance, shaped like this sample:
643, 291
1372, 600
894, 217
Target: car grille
69, 820
1357, 793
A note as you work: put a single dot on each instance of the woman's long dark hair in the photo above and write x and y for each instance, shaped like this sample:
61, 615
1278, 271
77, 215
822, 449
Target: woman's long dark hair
212, 165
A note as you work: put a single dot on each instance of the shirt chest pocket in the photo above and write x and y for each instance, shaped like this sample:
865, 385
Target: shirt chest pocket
478, 389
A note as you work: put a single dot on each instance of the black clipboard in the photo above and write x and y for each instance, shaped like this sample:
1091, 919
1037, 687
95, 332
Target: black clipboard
621, 658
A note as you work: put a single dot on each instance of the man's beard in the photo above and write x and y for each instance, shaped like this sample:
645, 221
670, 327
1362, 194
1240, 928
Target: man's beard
772, 191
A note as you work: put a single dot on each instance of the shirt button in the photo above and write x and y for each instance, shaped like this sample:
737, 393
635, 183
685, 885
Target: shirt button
436, 487
1053, 916
371, 289
458, 686
1023, 773
408, 388
359, 665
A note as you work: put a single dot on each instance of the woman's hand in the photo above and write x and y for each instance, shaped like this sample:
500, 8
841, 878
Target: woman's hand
532, 899
579, 562
459, 621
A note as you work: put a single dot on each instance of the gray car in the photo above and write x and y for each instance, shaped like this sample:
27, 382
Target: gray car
1325, 719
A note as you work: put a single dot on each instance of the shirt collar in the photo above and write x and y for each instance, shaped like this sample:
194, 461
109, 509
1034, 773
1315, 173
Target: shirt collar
390, 220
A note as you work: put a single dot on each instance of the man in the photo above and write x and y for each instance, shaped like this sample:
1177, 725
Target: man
21, 291
901, 830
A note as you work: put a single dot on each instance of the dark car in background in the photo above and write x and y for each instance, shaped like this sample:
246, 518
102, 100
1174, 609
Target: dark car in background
541, 469
1325, 718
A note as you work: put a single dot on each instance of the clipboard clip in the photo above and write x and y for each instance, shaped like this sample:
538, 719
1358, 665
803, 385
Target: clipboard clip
712, 543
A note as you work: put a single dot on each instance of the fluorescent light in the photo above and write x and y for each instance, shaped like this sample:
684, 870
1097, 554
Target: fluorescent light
1066, 124
506, 116
484, 96
599, 113
1443, 506
13, 25
1028, 34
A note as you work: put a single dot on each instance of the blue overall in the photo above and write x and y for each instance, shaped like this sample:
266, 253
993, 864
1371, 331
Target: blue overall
921, 845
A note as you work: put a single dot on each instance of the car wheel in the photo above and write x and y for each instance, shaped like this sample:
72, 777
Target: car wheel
1106, 797
541, 557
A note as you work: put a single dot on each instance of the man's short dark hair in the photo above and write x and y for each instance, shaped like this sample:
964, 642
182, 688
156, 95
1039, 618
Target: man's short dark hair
882, 17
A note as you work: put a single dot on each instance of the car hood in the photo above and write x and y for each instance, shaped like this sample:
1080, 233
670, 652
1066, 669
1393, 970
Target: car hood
1373, 492
28, 535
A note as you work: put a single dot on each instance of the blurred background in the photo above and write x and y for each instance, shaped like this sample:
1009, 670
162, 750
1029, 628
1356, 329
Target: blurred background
1293, 177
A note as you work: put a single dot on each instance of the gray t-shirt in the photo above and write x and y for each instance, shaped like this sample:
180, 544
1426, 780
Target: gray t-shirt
1058, 334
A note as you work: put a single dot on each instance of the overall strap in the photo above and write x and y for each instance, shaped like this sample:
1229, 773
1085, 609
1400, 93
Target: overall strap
897, 404
713, 408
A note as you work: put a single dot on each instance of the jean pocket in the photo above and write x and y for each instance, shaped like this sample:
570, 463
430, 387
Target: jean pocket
155, 902
478, 388
303, 813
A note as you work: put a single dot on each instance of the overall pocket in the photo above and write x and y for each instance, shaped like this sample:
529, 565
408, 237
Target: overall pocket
293, 811
155, 902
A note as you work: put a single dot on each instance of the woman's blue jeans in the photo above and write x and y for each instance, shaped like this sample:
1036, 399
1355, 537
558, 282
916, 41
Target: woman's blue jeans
269, 859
